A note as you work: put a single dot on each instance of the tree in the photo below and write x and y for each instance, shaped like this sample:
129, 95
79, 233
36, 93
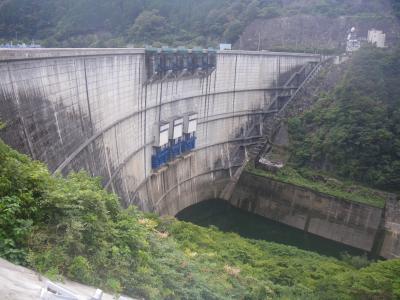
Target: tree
148, 26
354, 133
233, 31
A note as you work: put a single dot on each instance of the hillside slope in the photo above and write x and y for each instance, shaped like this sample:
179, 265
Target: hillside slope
72, 227
353, 132
307, 32
319, 25
104, 23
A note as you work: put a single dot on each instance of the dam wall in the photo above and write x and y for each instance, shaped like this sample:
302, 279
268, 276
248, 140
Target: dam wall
390, 245
95, 109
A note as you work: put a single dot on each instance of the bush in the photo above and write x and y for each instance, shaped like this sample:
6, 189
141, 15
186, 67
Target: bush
357, 262
80, 270
75, 228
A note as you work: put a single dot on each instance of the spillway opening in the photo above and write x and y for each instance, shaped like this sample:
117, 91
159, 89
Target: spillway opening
228, 218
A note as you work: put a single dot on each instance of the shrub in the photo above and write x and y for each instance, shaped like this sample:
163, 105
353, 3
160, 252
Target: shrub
72, 227
80, 270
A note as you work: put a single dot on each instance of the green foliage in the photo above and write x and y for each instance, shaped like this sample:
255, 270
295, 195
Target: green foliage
21, 186
396, 7
378, 281
72, 227
322, 183
148, 26
104, 23
80, 270
357, 262
354, 132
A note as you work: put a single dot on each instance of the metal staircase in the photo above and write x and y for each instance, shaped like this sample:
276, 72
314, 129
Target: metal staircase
257, 145
271, 125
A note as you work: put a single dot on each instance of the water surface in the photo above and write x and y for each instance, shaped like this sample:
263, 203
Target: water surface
231, 219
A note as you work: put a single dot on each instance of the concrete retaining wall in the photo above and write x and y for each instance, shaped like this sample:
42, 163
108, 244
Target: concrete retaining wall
390, 247
92, 109
350, 223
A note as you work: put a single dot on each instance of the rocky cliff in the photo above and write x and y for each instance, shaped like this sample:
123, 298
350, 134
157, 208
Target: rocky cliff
305, 25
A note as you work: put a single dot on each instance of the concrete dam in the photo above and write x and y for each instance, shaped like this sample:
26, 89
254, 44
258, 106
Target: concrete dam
107, 111
97, 109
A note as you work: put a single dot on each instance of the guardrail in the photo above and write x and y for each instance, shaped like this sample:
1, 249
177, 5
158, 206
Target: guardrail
53, 291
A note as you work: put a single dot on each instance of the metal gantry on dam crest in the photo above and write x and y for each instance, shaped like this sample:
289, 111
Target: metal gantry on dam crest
168, 63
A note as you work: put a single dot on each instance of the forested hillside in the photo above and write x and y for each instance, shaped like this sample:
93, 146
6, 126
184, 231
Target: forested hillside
354, 132
72, 227
116, 23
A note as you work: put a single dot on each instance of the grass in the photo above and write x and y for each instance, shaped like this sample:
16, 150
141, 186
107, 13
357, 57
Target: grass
324, 184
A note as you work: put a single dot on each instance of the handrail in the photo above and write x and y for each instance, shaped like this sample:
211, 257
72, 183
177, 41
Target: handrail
314, 71
287, 83
275, 127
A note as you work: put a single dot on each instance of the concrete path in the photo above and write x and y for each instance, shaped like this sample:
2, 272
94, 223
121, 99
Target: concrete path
19, 283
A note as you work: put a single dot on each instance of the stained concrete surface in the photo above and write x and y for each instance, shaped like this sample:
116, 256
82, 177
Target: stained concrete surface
94, 109
346, 222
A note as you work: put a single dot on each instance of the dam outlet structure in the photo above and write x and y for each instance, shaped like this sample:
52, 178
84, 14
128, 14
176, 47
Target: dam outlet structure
164, 128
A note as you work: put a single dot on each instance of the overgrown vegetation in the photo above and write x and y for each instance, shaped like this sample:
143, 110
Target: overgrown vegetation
72, 227
105, 23
351, 134
354, 132
323, 183
396, 7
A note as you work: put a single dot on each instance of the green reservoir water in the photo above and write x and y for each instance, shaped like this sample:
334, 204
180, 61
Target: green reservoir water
228, 218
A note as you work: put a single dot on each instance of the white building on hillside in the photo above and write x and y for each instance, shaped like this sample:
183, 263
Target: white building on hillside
377, 38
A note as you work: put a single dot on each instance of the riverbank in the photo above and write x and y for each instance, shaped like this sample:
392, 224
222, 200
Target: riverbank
228, 218
355, 224
325, 184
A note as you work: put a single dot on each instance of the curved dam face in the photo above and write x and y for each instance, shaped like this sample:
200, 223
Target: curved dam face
95, 109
